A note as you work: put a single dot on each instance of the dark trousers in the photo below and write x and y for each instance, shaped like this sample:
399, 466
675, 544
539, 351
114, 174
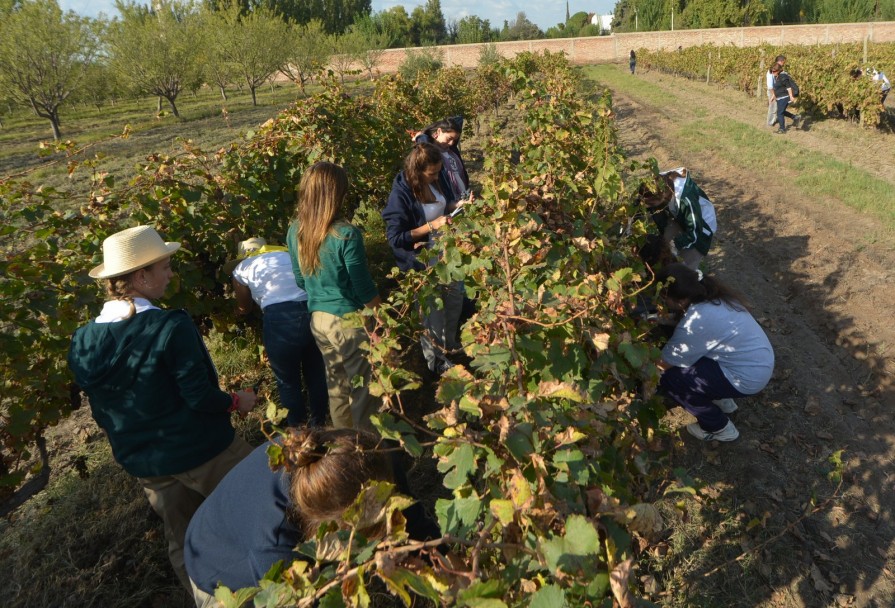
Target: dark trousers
781, 112
293, 355
694, 388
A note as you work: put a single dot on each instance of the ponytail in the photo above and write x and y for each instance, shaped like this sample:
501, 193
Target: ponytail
684, 283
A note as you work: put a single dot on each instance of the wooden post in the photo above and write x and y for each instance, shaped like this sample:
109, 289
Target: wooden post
865, 50
708, 70
761, 75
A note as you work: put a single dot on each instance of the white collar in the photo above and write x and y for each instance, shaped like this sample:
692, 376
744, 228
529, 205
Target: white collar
119, 310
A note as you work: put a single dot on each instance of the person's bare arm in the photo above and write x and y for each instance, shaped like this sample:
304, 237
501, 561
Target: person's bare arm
244, 302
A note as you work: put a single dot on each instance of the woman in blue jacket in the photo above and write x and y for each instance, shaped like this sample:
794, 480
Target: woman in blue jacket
445, 135
416, 210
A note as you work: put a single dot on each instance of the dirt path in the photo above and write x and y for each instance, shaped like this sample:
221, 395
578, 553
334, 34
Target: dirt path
826, 297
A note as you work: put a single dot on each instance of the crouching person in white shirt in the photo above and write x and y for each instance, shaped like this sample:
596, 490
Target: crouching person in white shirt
718, 351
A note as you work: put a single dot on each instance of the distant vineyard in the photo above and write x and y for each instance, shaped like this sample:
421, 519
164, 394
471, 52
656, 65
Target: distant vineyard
823, 72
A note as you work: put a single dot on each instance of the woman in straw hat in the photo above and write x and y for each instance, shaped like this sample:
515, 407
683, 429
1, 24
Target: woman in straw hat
330, 263
153, 387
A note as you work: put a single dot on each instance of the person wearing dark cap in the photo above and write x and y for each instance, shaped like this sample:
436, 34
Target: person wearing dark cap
153, 388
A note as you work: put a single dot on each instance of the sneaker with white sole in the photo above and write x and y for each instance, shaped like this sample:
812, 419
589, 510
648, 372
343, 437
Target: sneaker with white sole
728, 433
726, 405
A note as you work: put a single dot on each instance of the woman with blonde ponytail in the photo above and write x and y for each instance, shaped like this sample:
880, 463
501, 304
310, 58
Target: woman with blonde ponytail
330, 263
153, 387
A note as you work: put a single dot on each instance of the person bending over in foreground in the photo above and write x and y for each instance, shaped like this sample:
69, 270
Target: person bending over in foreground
153, 388
683, 213
263, 275
718, 351
258, 516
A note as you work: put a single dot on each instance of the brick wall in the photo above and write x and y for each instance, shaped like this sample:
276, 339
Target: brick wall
615, 47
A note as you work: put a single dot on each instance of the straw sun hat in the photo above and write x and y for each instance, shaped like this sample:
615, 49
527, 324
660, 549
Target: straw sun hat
130, 250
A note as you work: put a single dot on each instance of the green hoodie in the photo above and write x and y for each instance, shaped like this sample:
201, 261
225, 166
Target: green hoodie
154, 389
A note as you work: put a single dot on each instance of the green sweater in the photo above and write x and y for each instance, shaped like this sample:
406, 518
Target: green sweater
153, 388
342, 283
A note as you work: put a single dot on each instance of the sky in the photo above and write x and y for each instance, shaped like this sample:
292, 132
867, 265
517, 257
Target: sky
545, 13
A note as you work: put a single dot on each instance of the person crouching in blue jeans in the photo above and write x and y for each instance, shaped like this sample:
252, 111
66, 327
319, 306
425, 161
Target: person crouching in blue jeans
718, 351
264, 277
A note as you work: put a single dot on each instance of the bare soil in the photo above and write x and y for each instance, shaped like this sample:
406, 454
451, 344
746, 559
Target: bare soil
825, 294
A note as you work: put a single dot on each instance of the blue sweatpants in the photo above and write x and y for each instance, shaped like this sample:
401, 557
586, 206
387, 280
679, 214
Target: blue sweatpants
695, 387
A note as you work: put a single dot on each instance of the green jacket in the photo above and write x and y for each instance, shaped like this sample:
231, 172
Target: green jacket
342, 283
688, 208
154, 389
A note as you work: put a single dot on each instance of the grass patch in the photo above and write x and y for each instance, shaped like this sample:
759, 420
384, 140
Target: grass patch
617, 78
818, 175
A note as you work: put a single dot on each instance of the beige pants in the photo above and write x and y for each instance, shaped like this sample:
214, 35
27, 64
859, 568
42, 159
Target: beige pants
340, 344
176, 497
690, 257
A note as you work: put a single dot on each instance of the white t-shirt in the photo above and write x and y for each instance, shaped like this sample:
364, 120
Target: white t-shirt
731, 337
269, 277
769, 80
884, 82
434, 210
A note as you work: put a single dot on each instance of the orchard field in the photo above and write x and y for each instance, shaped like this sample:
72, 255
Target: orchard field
795, 514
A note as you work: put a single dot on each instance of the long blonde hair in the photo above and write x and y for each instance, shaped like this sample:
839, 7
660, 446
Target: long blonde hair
320, 194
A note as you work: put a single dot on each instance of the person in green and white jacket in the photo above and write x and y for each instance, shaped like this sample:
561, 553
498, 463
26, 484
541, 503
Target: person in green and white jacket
684, 214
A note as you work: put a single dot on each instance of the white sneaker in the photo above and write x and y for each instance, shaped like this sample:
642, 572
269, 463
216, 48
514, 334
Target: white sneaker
728, 405
728, 433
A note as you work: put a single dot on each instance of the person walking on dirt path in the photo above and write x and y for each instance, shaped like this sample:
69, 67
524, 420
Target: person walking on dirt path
785, 95
718, 351
153, 388
769, 83
632, 61
262, 275
683, 213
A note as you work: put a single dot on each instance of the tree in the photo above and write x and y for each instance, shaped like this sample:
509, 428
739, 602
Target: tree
369, 44
307, 51
724, 13
44, 54
216, 67
335, 15
252, 44
472, 29
155, 52
428, 24
845, 11
520, 28
396, 22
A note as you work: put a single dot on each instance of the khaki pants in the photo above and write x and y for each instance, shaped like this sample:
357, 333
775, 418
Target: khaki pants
340, 344
176, 497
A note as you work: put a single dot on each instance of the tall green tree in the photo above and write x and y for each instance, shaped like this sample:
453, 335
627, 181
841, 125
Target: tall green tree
428, 26
44, 54
845, 11
335, 15
471, 29
520, 28
397, 23
252, 43
308, 49
155, 53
